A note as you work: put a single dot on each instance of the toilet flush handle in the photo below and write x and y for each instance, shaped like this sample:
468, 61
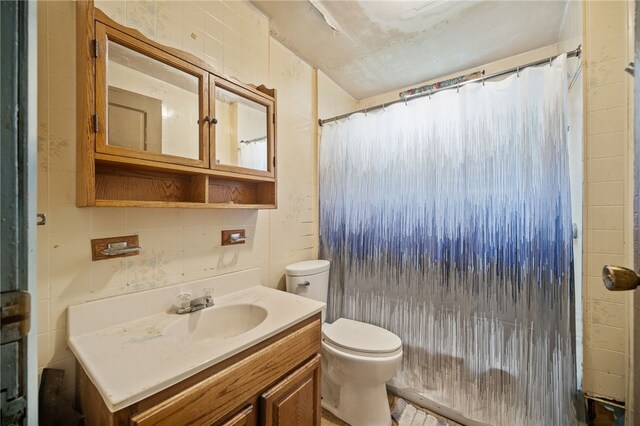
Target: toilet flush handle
304, 284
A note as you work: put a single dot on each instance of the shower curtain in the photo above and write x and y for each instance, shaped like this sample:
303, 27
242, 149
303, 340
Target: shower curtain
253, 155
447, 221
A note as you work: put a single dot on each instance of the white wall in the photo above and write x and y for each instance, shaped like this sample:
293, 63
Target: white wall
178, 244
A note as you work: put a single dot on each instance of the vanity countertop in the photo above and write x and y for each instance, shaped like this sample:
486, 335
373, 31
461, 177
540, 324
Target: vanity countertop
129, 358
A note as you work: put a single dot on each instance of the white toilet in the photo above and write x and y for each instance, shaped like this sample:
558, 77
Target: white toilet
357, 358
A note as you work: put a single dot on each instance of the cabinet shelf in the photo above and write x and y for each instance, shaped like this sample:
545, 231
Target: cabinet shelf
188, 205
120, 184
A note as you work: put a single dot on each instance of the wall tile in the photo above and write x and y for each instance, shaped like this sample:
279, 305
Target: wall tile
603, 384
608, 145
607, 121
193, 40
606, 217
65, 281
605, 337
69, 248
213, 27
606, 313
610, 96
169, 23
215, 8
108, 273
43, 316
44, 349
59, 348
607, 169
606, 361
65, 23
606, 242
139, 219
605, 193
609, 17
108, 222
607, 47
608, 72
141, 15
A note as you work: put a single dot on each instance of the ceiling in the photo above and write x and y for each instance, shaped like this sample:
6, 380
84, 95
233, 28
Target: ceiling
373, 47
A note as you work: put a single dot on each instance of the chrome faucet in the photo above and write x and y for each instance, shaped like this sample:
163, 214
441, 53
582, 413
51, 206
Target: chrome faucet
186, 305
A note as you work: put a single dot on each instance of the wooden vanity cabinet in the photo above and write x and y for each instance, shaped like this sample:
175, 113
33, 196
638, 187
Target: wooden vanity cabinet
159, 127
276, 382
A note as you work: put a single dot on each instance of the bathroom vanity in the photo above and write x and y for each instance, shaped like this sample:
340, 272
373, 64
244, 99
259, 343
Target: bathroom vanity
253, 358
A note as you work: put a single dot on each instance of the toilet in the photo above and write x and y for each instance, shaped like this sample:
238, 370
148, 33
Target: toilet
357, 358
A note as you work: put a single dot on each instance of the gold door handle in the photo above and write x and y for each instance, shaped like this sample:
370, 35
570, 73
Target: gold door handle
619, 278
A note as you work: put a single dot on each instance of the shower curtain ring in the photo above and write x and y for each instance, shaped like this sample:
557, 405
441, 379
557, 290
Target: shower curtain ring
365, 112
383, 108
429, 94
550, 59
458, 88
483, 80
518, 72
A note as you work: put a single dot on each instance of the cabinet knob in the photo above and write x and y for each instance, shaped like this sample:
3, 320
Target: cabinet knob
209, 120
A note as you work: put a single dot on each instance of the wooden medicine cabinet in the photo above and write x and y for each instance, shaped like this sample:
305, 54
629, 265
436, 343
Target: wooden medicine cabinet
158, 127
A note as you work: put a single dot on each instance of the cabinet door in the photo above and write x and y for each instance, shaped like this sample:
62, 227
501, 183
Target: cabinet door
149, 104
244, 418
295, 401
243, 130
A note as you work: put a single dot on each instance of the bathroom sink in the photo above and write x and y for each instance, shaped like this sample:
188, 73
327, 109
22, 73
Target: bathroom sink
217, 322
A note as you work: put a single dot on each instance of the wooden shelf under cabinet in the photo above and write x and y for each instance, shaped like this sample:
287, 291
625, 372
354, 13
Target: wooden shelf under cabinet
125, 185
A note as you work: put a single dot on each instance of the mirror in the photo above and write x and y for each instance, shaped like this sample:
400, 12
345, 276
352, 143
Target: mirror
151, 106
241, 131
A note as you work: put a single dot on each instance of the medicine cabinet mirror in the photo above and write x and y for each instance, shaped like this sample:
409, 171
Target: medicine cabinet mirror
155, 103
161, 128
242, 133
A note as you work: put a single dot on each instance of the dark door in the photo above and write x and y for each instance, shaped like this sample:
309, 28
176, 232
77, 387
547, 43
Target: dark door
17, 201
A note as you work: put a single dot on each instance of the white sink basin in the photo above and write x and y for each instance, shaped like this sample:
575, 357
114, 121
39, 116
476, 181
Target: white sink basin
217, 322
135, 345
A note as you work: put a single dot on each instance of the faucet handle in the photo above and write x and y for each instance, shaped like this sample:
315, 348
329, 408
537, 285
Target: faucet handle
207, 293
183, 300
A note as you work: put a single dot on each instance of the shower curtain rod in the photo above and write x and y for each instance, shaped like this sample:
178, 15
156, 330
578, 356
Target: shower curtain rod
571, 54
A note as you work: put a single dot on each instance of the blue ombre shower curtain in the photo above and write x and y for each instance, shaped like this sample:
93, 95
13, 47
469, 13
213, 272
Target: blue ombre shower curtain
447, 221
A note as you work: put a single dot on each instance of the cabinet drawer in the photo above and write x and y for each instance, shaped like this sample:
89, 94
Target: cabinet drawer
211, 399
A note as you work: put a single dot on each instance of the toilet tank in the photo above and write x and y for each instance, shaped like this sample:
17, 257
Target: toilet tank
309, 279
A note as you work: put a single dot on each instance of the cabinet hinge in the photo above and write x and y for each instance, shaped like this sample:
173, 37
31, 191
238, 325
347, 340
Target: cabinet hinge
273, 118
96, 124
96, 48
274, 161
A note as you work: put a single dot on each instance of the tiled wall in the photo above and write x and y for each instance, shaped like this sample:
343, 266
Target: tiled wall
608, 200
178, 244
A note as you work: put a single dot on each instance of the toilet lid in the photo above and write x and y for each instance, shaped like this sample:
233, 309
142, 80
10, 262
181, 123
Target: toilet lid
361, 337
307, 267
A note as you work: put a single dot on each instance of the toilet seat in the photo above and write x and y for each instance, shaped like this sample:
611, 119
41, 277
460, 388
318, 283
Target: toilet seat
361, 338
